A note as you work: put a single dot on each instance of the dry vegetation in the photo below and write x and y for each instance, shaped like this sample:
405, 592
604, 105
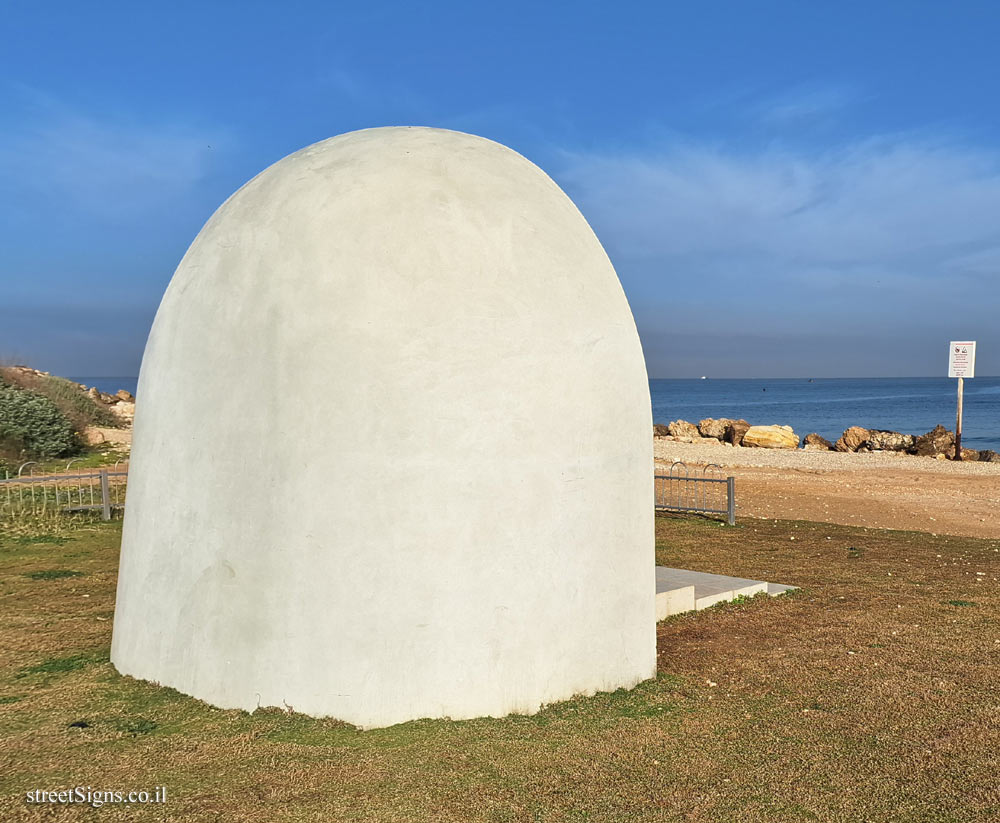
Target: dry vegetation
79, 409
44, 417
870, 695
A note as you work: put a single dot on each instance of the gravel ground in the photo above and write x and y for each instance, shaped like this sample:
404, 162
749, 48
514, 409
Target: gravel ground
725, 455
878, 489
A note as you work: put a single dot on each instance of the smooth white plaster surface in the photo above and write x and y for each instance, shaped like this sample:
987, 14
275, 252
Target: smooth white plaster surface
392, 450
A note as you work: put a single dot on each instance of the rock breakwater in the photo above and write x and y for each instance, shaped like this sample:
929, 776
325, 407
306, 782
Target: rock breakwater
938, 443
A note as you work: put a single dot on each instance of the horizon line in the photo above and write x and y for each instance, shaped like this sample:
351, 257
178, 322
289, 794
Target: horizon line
814, 377
707, 377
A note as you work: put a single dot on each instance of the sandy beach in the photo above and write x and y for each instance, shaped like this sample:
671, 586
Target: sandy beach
877, 489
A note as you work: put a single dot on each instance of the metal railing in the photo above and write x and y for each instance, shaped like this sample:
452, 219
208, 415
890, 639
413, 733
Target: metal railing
101, 490
709, 493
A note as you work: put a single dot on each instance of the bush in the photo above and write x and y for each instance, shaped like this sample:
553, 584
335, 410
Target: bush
32, 425
78, 408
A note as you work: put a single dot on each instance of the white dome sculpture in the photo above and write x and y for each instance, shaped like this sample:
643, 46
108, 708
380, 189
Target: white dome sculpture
393, 446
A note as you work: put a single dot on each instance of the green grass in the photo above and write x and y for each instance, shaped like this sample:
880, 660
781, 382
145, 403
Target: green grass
52, 574
44, 537
57, 665
865, 696
135, 725
102, 455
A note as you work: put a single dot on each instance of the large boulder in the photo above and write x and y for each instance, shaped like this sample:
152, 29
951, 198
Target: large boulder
735, 432
771, 437
989, 456
710, 427
681, 428
852, 439
816, 442
660, 430
937, 441
968, 455
93, 436
889, 441
127, 396
123, 410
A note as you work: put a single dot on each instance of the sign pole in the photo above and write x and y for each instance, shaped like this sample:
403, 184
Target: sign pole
958, 421
961, 364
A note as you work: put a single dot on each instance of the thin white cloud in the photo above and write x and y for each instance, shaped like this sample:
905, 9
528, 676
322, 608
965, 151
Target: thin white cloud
804, 105
878, 203
372, 100
891, 239
982, 263
104, 165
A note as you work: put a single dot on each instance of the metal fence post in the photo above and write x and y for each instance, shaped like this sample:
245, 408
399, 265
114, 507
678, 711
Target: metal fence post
731, 501
105, 497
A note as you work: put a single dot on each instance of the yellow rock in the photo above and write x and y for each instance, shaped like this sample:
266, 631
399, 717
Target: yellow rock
771, 437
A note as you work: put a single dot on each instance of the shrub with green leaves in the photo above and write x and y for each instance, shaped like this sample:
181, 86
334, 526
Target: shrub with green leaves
78, 408
32, 425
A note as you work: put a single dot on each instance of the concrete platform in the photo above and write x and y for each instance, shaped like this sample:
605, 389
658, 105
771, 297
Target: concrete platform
680, 590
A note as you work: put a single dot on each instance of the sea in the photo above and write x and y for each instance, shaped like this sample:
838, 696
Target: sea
827, 406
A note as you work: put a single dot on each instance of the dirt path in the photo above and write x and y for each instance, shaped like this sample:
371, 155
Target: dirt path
900, 493
940, 504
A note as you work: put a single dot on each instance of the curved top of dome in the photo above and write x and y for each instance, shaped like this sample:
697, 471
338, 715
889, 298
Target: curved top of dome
394, 190
409, 243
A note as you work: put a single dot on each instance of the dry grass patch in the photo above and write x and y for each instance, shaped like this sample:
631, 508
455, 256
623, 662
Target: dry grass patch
869, 695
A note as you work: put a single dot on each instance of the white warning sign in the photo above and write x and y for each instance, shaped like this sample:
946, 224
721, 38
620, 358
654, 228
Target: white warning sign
962, 358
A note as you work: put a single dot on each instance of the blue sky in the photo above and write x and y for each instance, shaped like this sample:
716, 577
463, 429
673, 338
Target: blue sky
785, 188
